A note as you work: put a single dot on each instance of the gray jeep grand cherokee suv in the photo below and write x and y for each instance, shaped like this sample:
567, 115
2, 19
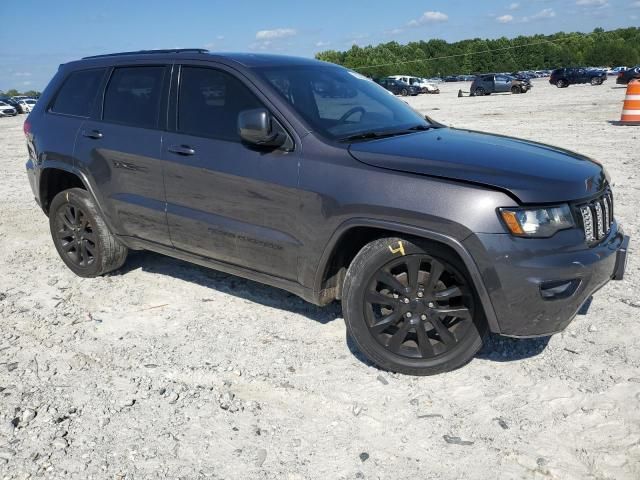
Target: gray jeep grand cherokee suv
261, 166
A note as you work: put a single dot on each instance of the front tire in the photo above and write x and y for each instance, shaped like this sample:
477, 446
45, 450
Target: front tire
404, 92
562, 83
81, 236
411, 308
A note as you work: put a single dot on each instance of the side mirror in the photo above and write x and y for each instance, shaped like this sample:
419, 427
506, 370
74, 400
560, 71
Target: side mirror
256, 128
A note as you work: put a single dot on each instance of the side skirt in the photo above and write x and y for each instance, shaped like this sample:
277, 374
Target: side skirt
271, 280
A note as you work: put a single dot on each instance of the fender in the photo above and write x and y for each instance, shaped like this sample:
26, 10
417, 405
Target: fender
396, 227
87, 182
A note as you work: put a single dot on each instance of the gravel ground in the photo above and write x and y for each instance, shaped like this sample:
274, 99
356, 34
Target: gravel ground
169, 370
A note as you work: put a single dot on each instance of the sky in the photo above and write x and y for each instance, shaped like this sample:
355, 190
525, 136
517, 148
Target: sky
37, 35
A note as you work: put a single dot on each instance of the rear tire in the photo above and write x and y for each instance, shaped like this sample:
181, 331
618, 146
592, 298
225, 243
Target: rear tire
410, 307
479, 92
81, 236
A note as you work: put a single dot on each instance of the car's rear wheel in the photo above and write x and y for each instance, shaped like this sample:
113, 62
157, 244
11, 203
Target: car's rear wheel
410, 307
479, 92
81, 236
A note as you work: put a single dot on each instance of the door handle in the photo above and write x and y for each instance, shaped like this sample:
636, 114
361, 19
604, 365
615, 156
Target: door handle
182, 150
95, 134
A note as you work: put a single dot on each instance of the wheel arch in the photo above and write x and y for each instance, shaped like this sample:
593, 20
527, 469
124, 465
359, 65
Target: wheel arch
58, 176
353, 234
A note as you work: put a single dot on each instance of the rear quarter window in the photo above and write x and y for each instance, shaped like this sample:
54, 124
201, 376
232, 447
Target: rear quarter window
78, 93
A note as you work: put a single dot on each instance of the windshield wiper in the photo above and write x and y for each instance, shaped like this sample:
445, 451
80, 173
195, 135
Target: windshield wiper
386, 133
421, 128
367, 135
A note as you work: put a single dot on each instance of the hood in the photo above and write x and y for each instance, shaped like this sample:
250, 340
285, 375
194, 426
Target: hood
532, 172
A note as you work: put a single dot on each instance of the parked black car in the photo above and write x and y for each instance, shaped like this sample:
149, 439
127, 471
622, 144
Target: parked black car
492, 83
13, 103
398, 87
563, 77
429, 236
630, 74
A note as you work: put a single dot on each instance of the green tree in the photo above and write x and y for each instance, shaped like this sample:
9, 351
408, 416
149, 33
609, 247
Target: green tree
437, 57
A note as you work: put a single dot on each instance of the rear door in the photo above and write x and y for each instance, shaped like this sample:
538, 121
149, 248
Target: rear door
487, 83
55, 130
120, 148
225, 200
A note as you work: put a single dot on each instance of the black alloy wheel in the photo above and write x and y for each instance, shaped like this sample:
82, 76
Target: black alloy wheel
75, 235
411, 308
418, 307
81, 236
479, 92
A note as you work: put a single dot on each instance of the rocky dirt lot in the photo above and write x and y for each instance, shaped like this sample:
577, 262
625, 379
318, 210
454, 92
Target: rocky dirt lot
169, 370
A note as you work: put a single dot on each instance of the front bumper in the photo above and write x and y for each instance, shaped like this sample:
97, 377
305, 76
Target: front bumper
523, 275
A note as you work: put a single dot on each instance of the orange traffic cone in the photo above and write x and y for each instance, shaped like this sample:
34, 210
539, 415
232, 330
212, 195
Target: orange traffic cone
631, 108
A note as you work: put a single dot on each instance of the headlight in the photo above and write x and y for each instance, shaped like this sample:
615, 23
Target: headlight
537, 222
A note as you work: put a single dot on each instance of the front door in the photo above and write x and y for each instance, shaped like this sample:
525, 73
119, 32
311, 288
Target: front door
226, 200
503, 84
121, 150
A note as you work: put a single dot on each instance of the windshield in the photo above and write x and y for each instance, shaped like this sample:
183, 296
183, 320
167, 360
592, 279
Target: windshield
30, 102
339, 103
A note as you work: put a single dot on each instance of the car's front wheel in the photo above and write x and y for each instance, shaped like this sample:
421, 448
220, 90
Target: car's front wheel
515, 90
562, 83
404, 92
596, 81
81, 236
410, 307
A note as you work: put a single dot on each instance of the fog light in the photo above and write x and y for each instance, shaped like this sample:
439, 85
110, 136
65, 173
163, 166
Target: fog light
558, 289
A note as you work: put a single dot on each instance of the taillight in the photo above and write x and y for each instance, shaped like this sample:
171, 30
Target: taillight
26, 128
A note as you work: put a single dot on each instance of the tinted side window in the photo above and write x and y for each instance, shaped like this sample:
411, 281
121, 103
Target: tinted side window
133, 96
209, 102
78, 92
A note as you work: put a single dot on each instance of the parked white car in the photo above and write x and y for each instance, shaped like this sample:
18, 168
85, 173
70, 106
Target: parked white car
424, 85
7, 110
27, 105
616, 70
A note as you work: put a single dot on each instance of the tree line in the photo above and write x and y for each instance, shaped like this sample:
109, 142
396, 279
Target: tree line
12, 92
440, 58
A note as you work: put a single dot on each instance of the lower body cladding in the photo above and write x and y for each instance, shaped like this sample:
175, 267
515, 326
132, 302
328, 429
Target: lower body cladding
536, 286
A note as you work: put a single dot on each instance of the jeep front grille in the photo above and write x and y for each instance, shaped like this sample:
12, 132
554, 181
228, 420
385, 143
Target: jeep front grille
597, 217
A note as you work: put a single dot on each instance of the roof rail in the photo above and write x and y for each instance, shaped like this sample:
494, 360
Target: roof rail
146, 52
